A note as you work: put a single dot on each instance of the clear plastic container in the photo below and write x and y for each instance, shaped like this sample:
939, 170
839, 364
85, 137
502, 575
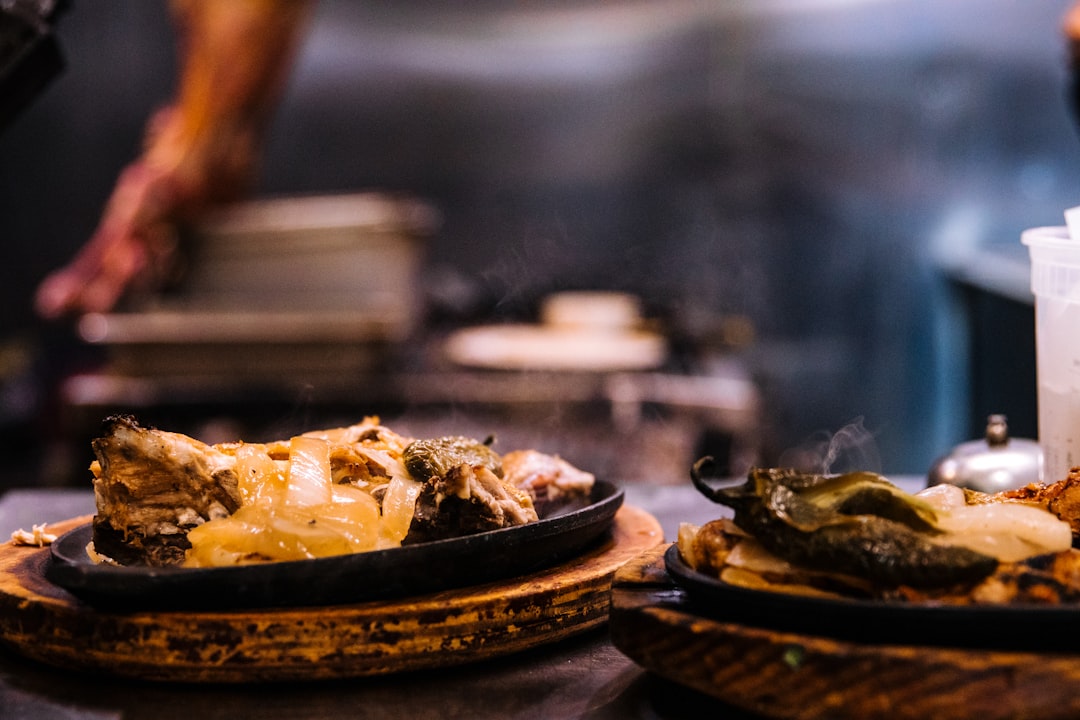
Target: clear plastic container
1055, 281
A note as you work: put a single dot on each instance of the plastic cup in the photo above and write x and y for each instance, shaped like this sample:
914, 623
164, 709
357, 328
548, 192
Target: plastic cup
1055, 281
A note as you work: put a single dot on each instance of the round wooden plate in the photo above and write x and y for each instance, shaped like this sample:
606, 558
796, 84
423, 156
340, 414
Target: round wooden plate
791, 675
43, 622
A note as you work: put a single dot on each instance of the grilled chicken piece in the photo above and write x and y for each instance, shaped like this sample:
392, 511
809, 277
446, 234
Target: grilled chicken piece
554, 484
151, 487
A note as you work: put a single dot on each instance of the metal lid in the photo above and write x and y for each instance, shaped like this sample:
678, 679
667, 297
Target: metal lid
991, 465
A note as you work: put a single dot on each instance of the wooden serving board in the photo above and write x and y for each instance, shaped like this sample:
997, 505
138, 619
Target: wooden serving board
787, 675
44, 622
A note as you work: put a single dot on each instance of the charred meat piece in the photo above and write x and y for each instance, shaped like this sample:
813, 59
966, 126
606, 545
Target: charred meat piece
462, 493
151, 487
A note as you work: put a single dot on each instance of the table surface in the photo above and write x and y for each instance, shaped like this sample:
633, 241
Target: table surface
583, 677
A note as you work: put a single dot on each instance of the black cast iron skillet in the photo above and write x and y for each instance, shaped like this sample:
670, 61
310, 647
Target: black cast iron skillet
377, 575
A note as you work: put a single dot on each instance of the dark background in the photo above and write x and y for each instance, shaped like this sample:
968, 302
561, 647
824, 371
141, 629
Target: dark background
850, 177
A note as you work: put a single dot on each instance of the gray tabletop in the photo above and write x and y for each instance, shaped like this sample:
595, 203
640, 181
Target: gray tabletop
583, 677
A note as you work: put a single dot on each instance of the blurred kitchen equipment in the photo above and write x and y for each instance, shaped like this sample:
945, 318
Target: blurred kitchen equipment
590, 331
311, 284
992, 464
597, 351
1055, 281
29, 54
594, 310
299, 308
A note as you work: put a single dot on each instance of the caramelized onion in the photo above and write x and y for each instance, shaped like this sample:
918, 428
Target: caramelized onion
309, 472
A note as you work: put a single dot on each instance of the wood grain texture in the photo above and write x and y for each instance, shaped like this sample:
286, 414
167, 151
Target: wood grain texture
786, 675
43, 622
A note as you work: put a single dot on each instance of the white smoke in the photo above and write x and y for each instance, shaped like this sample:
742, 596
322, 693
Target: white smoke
850, 449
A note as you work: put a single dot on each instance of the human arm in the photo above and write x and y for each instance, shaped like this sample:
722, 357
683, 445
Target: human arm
200, 150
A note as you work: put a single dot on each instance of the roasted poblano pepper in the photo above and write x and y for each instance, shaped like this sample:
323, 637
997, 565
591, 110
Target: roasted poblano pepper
426, 459
856, 524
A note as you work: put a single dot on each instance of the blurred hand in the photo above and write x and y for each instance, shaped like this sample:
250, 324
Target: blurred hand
1071, 24
135, 246
199, 152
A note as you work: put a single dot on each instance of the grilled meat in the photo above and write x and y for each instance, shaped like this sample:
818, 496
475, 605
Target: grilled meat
467, 499
554, 484
151, 487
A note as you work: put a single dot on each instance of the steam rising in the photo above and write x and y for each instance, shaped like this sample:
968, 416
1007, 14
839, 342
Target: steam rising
850, 449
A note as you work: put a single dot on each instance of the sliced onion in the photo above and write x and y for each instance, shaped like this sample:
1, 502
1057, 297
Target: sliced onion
398, 507
357, 522
309, 472
1009, 532
262, 480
